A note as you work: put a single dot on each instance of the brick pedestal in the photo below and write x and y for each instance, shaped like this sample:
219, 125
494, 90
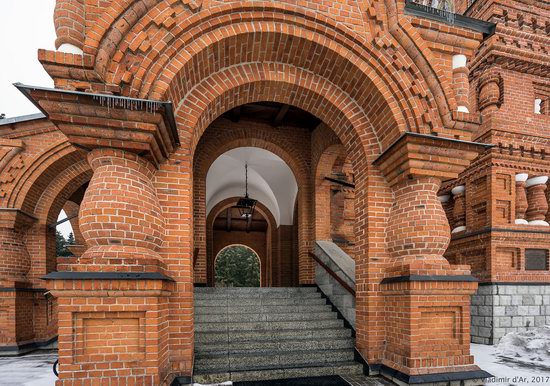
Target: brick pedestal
112, 327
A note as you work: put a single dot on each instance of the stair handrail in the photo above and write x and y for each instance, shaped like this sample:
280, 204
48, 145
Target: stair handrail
340, 281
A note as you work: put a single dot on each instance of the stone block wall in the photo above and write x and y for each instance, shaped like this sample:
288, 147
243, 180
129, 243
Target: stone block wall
498, 309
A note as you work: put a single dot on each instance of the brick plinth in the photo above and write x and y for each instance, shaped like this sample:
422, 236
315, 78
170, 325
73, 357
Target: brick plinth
428, 326
113, 330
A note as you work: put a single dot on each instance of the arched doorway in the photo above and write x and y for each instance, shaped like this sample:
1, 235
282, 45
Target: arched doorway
237, 266
270, 231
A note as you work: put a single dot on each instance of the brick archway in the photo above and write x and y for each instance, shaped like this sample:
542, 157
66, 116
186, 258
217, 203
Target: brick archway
220, 141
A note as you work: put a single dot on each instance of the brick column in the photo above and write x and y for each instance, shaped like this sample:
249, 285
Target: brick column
459, 210
70, 25
418, 230
114, 301
120, 216
461, 83
426, 300
521, 199
536, 199
118, 333
16, 295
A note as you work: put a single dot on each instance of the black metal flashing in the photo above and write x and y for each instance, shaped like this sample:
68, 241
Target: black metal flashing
432, 137
21, 118
20, 349
340, 182
424, 11
489, 230
522, 283
433, 378
440, 278
182, 380
136, 102
20, 289
106, 276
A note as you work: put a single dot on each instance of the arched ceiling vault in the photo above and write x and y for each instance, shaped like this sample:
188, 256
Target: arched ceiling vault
270, 181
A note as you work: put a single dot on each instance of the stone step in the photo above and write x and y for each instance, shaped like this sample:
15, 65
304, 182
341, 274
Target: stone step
265, 360
263, 317
279, 335
228, 348
258, 302
269, 326
254, 290
265, 309
263, 295
349, 368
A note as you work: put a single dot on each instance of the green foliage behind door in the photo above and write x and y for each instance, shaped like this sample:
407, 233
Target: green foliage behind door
237, 266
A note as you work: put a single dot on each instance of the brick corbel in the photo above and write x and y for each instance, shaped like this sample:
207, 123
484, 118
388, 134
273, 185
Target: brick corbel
416, 155
17, 219
91, 121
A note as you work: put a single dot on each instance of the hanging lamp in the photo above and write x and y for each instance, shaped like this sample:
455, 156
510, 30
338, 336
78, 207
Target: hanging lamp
246, 205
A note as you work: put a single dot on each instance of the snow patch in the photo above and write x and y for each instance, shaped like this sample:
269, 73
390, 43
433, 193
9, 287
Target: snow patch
528, 347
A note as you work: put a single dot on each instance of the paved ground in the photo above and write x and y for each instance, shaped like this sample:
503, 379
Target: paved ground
36, 370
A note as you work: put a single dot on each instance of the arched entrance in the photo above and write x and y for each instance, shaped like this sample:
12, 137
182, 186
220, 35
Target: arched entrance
237, 266
377, 93
271, 229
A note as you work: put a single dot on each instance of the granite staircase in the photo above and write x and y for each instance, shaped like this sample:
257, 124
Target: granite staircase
249, 334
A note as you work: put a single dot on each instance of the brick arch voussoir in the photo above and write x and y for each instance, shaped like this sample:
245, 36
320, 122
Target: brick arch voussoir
61, 189
43, 169
258, 82
289, 18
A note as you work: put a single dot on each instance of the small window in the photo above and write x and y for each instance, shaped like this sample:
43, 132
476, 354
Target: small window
536, 260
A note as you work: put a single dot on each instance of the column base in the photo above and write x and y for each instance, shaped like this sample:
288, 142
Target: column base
428, 328
17, 330
465, 378
112, 326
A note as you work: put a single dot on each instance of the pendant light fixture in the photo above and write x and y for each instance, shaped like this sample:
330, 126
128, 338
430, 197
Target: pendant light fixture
246, 205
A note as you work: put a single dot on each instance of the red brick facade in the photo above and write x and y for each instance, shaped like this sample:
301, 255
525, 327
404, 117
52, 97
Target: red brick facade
401, 97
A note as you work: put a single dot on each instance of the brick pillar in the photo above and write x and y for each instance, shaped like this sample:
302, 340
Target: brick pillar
459, 210
426, 300
461, 83
418, 230
521, 199
16, 295
536, 199
119, 333
120, 216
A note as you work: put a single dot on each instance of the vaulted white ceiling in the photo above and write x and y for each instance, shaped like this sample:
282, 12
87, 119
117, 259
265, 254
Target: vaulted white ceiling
270, 181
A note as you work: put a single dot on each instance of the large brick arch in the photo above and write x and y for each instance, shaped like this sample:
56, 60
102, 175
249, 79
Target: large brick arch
40, 172
378, 76
212, 146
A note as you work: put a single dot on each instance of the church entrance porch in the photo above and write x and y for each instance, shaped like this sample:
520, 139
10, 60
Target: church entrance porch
367, 131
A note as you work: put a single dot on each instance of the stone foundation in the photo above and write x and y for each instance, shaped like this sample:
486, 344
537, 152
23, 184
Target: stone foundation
498, 309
